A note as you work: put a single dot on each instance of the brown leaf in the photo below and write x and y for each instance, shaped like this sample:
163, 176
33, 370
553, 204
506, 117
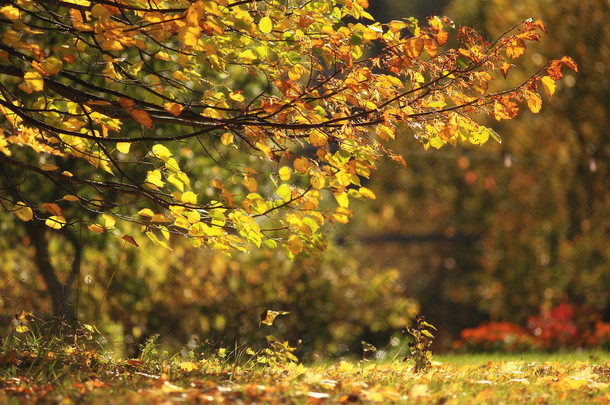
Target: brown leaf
130, 239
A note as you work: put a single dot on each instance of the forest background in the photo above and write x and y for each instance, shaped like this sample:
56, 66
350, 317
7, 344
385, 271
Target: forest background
461, 235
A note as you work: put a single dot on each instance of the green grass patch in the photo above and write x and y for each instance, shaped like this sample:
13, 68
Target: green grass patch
39, 369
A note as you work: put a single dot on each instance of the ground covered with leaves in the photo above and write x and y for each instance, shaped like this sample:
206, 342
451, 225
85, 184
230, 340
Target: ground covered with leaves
56, 372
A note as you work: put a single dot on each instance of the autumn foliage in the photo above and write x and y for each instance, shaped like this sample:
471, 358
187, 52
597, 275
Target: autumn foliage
233, 124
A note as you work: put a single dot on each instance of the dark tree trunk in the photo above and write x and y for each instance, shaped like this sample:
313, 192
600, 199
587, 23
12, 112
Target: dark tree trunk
58, 290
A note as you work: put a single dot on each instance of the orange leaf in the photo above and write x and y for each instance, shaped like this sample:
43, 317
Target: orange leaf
413, 47
174, 109
442, 37
126, 103
515, 48
250, 183
142, 117
569, 62
96, 228
555, 70
52, 208
504, 68
540, 25
301, 165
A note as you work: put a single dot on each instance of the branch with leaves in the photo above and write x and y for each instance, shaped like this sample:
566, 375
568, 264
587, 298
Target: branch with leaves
234, 123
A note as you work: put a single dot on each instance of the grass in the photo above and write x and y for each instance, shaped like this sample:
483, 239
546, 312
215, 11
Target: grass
52, 370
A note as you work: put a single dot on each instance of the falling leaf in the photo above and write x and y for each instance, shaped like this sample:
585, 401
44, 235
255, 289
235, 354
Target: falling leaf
268, 316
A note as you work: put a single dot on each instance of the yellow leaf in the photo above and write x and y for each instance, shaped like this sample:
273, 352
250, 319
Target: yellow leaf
188, 366
153, 177
250, 183
146, 212
23, 212
10, 12
189, 35
237, 96
70, 197
109, 221
318, 138
534, 102
189, 198
318, 180
549, 85
181, 222
34, 80
123, 147
226, 138
193, 217
285, 173
265, 25
369, 34
51, 66
365, 192
55, 222
342, 199
161, 152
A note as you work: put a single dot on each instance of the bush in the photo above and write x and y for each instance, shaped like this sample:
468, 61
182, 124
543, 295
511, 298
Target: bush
564, 326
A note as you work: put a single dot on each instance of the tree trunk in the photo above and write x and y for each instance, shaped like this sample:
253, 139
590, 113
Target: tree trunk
58, 291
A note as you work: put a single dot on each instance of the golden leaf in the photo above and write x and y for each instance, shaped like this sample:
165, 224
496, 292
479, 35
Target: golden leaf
268, 316
265, 25
55, 222
174, 109
23, 212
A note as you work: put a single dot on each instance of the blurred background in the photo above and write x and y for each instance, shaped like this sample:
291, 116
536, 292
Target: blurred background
512, 234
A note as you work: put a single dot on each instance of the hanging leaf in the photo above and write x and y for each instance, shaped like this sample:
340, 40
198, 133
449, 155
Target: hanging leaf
55, 222
24, 212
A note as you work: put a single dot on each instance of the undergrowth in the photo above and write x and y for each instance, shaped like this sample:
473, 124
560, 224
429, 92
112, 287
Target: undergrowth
36, 365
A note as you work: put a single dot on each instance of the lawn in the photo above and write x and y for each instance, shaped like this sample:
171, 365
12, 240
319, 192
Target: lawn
53, 371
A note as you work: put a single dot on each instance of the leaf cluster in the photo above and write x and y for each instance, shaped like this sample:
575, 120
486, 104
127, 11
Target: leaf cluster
233, 124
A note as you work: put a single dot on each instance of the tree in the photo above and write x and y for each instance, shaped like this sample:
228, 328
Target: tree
228, 123
548, 217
